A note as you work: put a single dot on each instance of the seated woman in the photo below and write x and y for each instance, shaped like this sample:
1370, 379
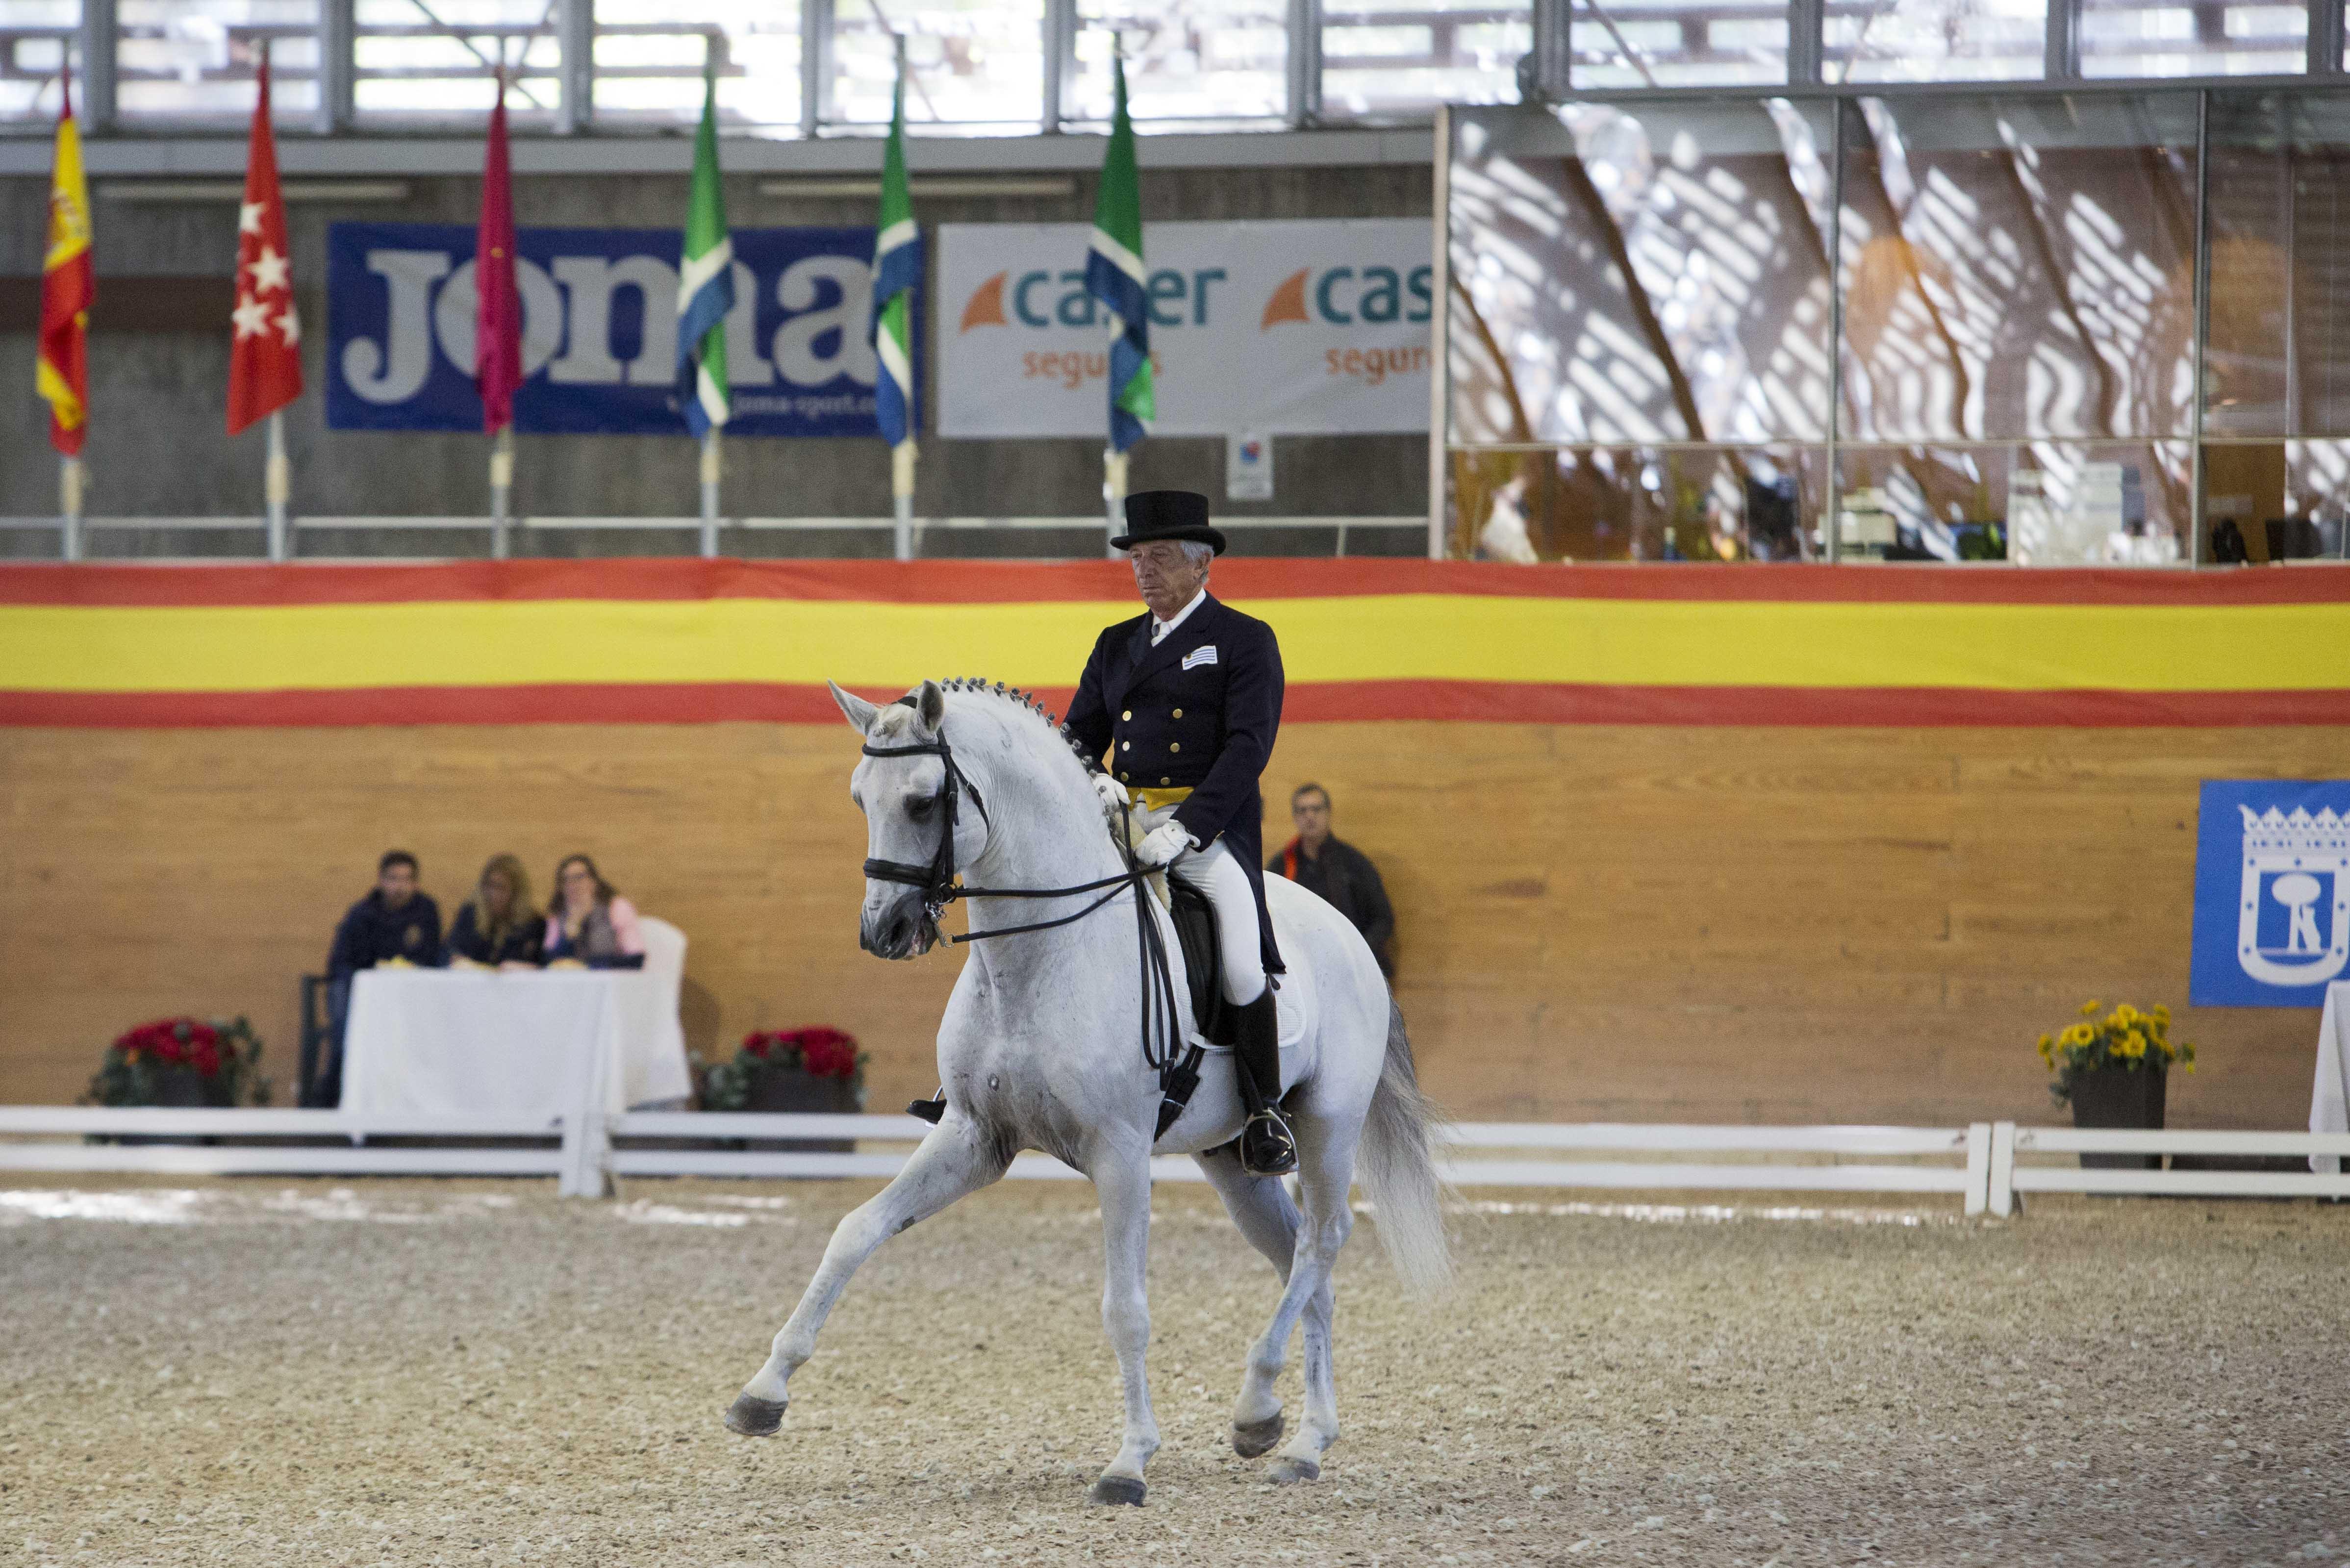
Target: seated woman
497, 928
589, 924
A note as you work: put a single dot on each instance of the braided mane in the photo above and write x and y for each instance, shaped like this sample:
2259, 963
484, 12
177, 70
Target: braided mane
978, 686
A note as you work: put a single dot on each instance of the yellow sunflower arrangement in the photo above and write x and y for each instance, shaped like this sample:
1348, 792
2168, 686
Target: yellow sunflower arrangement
2125, 1038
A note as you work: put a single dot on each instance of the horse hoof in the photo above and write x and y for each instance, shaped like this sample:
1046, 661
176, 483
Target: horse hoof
1250, 1438
754, 1417
1116, 1491
1288, 1471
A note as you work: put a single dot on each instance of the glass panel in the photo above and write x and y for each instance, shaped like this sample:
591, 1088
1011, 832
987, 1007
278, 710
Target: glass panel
1646, 286
2150, 38
2019, 269
34, 36
1400, 60
1651, 273
2035, 503
978, 63
2279, 360
1190, 60
649, 53
2276, 501
191, 59
1677, 42
1934, 40
1635, 503
437, 59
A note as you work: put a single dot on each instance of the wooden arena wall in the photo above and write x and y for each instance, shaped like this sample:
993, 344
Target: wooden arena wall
1776, 904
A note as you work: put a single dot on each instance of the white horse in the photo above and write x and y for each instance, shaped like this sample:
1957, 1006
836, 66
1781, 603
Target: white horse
1039, 1050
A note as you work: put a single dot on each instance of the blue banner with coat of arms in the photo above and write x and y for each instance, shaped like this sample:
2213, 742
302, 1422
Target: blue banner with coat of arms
2272, 893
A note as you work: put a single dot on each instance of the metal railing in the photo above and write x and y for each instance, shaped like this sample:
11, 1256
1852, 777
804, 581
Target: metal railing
932, 535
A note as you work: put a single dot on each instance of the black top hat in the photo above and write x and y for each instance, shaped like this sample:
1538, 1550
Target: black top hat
1168, 514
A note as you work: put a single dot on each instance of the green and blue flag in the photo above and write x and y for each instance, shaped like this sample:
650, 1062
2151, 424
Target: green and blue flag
1115, 275
705, 282
897, 272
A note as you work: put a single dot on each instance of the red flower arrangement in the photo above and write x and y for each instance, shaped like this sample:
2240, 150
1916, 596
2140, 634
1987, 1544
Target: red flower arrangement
226, 1053
817, 1050
175, 1043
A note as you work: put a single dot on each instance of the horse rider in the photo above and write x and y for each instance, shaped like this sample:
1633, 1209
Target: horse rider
1182, 704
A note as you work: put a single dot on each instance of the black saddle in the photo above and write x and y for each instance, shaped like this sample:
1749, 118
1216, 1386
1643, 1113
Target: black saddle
1203, 965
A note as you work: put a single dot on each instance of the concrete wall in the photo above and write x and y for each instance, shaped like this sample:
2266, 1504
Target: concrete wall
156, 446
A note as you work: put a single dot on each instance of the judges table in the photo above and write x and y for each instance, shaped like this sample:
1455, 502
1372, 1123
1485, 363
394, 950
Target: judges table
2329, 1100
534, 1044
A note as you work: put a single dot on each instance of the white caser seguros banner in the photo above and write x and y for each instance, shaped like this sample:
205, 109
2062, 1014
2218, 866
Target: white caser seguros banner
1290, 329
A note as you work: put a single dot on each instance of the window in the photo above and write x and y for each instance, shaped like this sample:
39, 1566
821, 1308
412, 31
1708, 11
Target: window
1397, 61
2147, 38
1638, 330
35, 35
975, 63
1934, 40
438, 59
649, 55
1185, 60
191, 59
1678, 43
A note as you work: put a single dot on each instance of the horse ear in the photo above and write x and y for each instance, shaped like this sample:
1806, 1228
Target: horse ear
854, 709
931, 706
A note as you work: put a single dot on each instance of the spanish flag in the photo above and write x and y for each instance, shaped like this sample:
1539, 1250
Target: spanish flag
68, 288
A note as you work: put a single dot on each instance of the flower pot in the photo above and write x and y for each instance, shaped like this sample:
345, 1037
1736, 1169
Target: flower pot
776, 1088
182, 1089
2120, 1098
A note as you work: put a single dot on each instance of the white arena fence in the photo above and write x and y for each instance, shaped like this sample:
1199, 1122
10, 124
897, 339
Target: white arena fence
1980, 1163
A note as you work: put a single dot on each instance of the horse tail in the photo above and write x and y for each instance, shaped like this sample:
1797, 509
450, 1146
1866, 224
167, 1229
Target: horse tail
1399, 1168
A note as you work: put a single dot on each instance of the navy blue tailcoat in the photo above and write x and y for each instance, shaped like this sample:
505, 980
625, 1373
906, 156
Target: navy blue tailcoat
1199, 712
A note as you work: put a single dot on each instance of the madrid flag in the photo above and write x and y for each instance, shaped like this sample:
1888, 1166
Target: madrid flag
265, 351
69, 287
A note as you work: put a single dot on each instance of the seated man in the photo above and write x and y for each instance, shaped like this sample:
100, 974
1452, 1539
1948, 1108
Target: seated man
394, 921
1339, 873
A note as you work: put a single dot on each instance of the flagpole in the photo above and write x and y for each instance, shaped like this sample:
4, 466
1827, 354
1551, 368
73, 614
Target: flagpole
901, 492
277, 483
902, 455
1113, 497
710, 473
501, 488
69, 482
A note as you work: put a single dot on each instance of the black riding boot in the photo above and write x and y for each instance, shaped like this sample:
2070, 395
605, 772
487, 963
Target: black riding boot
1266, 1146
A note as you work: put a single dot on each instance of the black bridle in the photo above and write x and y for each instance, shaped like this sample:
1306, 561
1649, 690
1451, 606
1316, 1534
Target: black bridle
1163, 1047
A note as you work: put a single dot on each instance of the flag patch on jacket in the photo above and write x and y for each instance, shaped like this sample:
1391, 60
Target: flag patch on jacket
1206, 655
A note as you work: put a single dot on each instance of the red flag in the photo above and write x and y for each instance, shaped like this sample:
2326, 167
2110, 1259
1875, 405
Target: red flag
68, 288
264, 351
497, 325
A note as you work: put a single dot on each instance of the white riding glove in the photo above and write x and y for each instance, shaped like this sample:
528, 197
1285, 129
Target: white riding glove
1164, 843
1114, 798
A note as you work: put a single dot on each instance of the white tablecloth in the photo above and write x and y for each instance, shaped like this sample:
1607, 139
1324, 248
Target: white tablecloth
471, 1041
2329, 1101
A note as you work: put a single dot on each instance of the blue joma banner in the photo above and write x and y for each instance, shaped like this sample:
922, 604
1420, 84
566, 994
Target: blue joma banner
599, 331
2272, 893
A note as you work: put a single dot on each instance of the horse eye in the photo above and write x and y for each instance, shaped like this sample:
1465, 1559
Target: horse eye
920, 809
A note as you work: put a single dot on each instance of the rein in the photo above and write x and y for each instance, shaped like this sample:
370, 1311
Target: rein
1163, 1048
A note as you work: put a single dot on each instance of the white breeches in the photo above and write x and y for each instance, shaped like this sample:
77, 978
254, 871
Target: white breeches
1217, 872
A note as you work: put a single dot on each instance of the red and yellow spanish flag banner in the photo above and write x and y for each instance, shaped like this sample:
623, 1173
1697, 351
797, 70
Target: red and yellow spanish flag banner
68, 288
693, 641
